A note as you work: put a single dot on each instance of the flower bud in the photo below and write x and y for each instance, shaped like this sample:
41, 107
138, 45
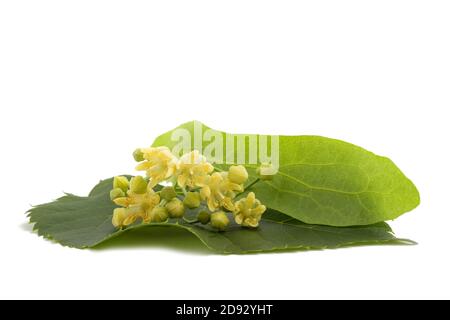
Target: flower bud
219, 220
138, 185
203, 217
266, 171
138, 155
159, 214
168, 193
238, 174
192, 200
116, 193
175, 208
121, 183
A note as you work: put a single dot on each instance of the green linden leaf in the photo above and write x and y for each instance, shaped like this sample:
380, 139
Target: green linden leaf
322, 180
84, 222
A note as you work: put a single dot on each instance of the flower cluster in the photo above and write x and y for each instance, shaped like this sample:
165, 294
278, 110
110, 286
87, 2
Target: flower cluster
194, 183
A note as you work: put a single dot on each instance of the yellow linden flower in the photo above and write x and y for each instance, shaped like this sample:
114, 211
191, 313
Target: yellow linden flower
123, 217
137, 206
119, 215
248, 211
193, 169
219, 191
159, 164
229, 187
238, 174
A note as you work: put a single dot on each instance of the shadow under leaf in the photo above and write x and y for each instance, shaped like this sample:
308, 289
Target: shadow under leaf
156, 237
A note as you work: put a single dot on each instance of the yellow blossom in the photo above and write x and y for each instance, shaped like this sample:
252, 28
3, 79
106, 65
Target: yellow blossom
201, 185
193, 169
229, 187
248, 211
123, 217
119, 215
219, 191
159, 164
137, 205
238, 174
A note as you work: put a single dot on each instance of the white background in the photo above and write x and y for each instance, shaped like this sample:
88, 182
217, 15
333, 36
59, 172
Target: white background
82, 83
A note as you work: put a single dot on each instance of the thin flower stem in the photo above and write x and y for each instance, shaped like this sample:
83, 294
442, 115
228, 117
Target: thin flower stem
178, 189
252, 184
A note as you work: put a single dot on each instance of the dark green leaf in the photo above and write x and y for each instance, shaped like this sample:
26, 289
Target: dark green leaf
84, 222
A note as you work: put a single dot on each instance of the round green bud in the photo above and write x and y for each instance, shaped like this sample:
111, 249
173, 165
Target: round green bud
121, 182
168, 193
159, 214
192, 200
175, 207
266, 171
138, 185
238, 174
138, 155
116, 193
203, 217
219, 220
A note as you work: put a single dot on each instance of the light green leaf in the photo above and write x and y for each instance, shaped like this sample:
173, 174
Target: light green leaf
326, 181
84, 222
